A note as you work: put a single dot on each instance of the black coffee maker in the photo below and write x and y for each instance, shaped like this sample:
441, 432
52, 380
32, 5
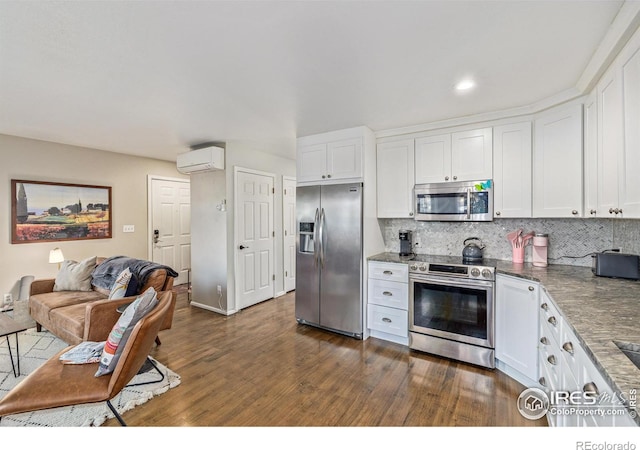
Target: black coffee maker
405, 243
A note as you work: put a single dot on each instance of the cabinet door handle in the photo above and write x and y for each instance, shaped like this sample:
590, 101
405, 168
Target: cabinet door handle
544, 340
387, 272
552, 360
531, 288
446, 178
568, 347
386, 319
387, 293
591, 387
329, 176
552, 320
574, 212
592, 212
411, 214
542, 381
324, 176
544, 306
497, 213
455, 177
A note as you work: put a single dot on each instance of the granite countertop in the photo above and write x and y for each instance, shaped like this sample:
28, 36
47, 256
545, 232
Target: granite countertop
599, 310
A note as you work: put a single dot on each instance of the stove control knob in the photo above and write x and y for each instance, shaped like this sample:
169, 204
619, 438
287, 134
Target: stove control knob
413, 267
475, 272
486, 273
423, 267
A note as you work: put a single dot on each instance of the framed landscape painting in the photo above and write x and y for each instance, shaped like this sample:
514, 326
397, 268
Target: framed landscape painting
46, 212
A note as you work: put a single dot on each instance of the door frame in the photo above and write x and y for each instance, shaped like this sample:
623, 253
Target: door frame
150, 179
295, 232
236, 170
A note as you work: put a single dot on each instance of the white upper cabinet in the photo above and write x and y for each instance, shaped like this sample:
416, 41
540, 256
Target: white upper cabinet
557, 163
610, 143
614, 140
512, 170
329, 158
630, 180
433, 159
459, 156
590, 126
395, 179
472, 155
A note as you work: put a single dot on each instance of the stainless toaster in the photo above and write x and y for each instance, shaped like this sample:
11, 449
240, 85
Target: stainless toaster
616, 265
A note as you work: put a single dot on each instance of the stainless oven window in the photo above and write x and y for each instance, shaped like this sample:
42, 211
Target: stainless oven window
452, 309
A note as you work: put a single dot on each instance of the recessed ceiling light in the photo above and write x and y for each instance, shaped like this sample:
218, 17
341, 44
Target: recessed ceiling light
465, 85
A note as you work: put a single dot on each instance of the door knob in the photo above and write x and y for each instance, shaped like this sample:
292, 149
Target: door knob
242, 247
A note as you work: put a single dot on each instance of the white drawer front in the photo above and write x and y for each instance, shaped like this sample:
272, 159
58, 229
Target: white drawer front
388, 320
389, 271
389, 293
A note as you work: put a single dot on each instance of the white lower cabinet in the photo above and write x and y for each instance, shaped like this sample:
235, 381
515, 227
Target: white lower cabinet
517, 325
388, 302
579, 393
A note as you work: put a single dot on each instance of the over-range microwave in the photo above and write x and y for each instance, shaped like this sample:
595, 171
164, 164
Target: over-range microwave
467, 201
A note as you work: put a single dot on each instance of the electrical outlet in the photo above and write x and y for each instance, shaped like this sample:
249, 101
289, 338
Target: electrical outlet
219, 290
128, 228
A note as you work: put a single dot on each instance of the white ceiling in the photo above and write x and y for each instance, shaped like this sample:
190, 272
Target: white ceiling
152, 78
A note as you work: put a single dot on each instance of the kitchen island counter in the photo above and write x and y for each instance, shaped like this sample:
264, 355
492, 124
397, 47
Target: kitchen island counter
599, 310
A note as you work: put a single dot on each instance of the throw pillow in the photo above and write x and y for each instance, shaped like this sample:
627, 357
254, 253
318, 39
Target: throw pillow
125, 285
121, 331
75, 276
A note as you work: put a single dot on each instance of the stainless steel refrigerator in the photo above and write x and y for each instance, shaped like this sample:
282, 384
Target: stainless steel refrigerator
329, 257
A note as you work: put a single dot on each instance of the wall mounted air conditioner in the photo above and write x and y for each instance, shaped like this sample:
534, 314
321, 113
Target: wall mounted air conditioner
201, 160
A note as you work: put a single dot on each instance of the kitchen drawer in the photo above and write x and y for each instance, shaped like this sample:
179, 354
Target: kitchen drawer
550, 316
549, 363
388, 320
389, 293
389, 271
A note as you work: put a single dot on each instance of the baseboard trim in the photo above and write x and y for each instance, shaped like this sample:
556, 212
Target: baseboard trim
211, 308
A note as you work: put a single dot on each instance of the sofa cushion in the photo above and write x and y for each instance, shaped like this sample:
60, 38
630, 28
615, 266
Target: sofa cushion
41, 305
121, 331
75, 276
68, 323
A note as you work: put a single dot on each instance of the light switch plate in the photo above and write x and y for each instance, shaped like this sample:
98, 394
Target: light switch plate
128, 228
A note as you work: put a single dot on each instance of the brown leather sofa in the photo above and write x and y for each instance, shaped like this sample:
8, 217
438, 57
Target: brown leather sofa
77, 316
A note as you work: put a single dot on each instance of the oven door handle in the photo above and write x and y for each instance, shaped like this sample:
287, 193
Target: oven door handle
452, 281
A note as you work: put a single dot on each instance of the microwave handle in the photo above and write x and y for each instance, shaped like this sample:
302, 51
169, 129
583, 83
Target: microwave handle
468, 203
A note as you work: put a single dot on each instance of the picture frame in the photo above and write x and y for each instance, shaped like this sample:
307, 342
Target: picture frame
43, 211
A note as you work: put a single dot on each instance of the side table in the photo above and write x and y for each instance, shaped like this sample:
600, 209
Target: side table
9, 326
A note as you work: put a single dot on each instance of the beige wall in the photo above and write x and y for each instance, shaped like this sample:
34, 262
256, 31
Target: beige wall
29, 159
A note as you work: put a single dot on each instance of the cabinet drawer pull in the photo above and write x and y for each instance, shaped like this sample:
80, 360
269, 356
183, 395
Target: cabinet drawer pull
387, 272
544, 340
552, 360
591, 387
542, 381
531, 288
386, 319
552, 320
568, 347
387, 293
544, 306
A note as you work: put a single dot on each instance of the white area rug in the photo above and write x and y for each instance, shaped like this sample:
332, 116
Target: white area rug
35, 349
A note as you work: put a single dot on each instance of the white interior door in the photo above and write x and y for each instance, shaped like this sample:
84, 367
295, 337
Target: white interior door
289, 225
170, 211
254, 237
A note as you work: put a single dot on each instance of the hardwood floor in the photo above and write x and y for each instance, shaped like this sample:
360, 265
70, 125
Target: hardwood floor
260, 368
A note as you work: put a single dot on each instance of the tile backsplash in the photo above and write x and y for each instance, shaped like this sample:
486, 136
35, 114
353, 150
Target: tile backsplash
571, 241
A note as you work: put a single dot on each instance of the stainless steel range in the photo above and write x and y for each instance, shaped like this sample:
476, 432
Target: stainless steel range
451, 309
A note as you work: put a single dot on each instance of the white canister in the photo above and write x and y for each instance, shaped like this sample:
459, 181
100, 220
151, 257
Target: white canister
540, 244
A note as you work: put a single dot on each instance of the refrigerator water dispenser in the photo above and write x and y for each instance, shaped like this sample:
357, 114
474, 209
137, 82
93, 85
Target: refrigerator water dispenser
306, 237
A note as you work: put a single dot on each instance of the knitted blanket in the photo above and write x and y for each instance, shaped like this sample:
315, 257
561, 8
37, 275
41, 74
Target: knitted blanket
105, 273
